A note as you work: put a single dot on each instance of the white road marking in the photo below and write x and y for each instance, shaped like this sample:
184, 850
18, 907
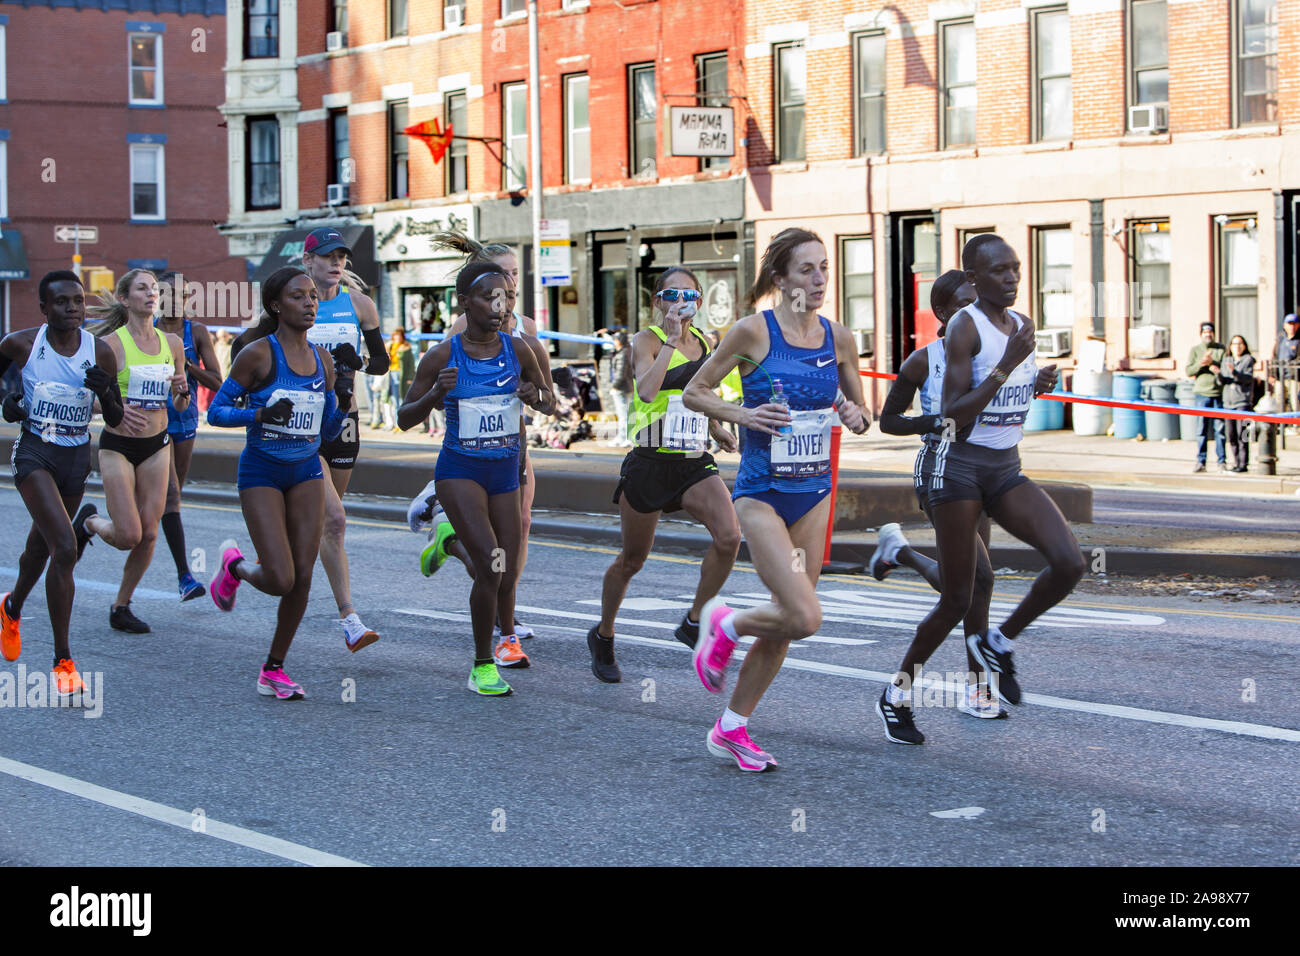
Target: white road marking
894, 604
815, 639
960, 813
172, 816
88, 585
645, 604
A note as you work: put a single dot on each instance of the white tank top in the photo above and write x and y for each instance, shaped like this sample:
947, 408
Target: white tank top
931, 391
1000, 424
58, 404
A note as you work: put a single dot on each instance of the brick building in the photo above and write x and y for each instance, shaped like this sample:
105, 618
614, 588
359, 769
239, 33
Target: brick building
107, 119
1140, 155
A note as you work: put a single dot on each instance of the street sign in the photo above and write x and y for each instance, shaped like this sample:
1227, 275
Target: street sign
556, 262
702, 130
76, 234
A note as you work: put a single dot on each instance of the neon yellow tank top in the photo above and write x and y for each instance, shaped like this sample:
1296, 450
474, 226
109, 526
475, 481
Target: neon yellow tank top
145, 380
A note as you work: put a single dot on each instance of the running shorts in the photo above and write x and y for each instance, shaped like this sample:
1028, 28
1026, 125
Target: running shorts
921, 473
342, 452
497, 476
654, 482
789, 505
965, 472
68, 465
262, 471
133, 449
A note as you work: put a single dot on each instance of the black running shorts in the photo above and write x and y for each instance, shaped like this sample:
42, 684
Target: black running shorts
654, 482
964, 472
342, 452
69, 465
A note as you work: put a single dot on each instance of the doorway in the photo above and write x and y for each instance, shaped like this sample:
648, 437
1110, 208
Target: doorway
914, 258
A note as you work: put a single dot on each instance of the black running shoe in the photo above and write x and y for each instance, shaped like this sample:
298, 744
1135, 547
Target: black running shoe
687, 632
603, 664
79, 528
899, 727
1001, 671
121, 619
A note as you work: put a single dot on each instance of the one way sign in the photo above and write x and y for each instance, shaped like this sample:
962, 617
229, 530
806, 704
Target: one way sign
76, 234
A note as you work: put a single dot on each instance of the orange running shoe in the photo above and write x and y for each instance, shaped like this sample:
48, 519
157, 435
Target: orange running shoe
509, 653
11, 641
66, 678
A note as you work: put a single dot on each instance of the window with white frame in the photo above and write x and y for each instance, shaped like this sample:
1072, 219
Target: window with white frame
957, 71
1054, 277
514, 123
869, 94
4, 179
577, 130
791, 93
1150, 253
857, 283
263, 180
642, 110
4, 83
1053, 104
145, 50
148, 182
513, 8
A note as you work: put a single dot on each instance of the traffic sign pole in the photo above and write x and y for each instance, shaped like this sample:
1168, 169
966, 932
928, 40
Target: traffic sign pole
76, 249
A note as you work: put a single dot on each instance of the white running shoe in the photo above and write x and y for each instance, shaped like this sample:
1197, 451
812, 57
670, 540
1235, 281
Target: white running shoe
885, 558
978, 702
356, 634
420, 513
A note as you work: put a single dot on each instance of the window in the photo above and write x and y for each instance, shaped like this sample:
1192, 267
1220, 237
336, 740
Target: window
147, 182
575, 4
1255, 41
338, 17
791, 76
957, 78
4, 83
261, 29
1053, 107
457, 158
1148, 80
1054, 277
1237, 269
263, 163
869, 94
397, 18
711, 90
857, 284
641, 97
577, 130
1149, 250
453, 14
514, 130
398, 149
145, 50
4, 179
340, 150
510, 8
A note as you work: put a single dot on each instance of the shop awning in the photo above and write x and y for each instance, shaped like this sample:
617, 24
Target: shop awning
13, 257
286, 250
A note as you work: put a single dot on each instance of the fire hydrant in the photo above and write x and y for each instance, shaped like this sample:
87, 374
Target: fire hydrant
1264, 436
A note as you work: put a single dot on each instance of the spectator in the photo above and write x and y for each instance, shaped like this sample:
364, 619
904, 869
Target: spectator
377, 388
1203, 365
1237, 376
221, 345
1287, 373
622, 379
401, 369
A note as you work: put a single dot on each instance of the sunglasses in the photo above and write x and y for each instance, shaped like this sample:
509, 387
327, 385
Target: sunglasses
685, 295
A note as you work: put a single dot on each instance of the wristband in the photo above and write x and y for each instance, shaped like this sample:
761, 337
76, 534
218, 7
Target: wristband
998, 376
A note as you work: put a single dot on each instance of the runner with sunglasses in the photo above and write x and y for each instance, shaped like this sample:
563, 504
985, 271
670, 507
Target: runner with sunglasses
669, 469
782, 490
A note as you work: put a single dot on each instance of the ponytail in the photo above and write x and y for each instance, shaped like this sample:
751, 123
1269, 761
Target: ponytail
109, 314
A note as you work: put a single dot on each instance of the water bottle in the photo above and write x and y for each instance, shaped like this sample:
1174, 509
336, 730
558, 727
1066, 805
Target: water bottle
778, 398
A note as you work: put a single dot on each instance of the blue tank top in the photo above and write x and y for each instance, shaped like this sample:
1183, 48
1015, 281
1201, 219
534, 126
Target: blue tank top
299, 439
800, 461
181, 423
483, 410
336, 322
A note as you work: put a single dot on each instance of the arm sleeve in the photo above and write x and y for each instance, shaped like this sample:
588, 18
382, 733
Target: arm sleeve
224, 413
110, 406
332, 423
378, 354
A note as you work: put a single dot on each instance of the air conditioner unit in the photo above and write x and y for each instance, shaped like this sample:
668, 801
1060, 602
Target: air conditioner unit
1148, 341
1050, 343
336, 194
335, 41
1148, 118
866, 341
452, 17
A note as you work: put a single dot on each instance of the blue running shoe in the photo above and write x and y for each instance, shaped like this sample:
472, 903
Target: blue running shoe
189, 588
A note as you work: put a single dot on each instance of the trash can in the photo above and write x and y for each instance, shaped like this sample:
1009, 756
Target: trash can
1161, 427
1129, 422
1091, 419
1045, 414
1188, 425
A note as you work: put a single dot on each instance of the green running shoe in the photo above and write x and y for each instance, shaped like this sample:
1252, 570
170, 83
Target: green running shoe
435, 554
485, 680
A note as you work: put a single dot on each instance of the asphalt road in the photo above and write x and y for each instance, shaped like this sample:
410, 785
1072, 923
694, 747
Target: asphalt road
1212, 512
1134, 746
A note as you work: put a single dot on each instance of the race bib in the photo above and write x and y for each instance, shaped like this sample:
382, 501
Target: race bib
683, 429
60, 410
329, 334
305, 422
149, 385
1010, 405
489, 422
806, 451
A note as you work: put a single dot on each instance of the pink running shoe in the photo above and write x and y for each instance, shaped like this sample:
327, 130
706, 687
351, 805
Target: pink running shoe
714, 648
277, 682
224, 584
738, 746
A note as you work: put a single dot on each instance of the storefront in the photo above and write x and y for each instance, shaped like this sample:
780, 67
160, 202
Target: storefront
13, 267
418, 285
623, 239
287, 250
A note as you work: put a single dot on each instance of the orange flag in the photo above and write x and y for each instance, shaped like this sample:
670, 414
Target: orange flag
435, 138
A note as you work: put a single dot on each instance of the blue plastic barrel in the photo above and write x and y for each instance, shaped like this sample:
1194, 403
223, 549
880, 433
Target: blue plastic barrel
1129, 422
1189, 425
1160, 427
1046, 415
